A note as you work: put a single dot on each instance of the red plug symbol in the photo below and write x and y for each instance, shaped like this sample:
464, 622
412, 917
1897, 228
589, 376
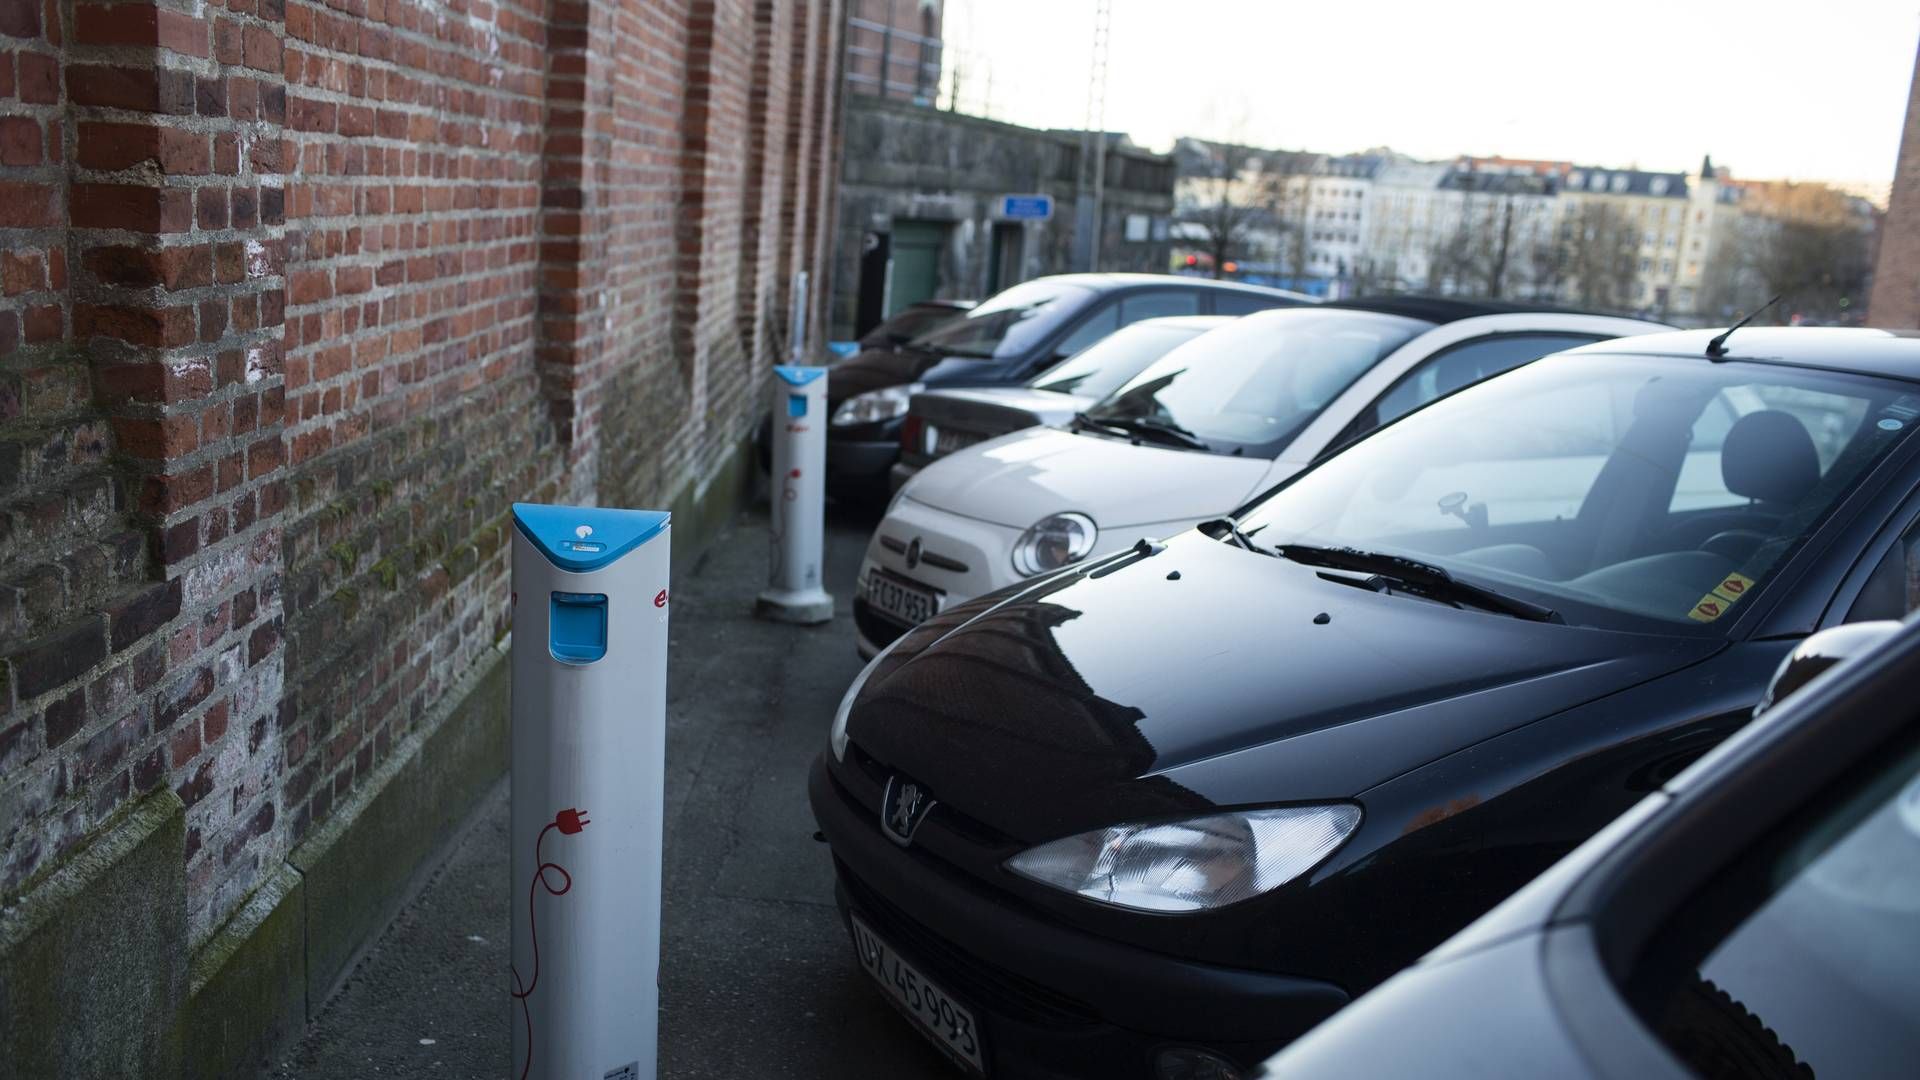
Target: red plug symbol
571, 821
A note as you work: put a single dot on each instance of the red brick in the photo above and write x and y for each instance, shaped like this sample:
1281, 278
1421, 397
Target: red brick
39, 79
21, 141
135, 325
182, 152
262, 49
43, 323
308, 287
133, 207
28, 206
21, 271
111, 147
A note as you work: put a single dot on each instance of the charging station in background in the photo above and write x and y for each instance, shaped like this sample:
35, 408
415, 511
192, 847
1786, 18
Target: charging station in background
799, 497
589, 773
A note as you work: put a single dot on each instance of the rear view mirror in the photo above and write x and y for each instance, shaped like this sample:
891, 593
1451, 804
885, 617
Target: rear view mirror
1823, 650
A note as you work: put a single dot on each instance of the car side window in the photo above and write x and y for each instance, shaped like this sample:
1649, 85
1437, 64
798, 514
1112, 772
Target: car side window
1159, 304
1797, 960
1103, 321
1452, 368
1892, 591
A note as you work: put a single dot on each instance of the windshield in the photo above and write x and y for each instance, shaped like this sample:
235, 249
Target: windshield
1654, 490
1250, 387
1103, 366
1011, 323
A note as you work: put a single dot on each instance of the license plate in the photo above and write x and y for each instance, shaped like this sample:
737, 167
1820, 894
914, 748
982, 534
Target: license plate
908, 603
947, 440
947, 1022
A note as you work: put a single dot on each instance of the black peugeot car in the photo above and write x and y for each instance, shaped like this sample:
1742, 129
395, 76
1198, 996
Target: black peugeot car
1757, 917
1004, 341
1157, 814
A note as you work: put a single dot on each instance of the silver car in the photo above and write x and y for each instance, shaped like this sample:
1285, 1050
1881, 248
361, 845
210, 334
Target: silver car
942, 421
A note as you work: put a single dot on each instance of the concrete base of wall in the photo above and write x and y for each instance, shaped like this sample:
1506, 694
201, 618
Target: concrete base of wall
93, 963
95, 976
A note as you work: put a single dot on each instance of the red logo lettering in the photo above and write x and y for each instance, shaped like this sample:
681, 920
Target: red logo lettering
660, 598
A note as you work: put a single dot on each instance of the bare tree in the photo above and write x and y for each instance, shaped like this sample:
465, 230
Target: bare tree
1811, 248
1601, 250
1225, 199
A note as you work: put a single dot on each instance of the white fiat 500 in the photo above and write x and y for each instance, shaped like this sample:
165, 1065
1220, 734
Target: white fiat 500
1228, 414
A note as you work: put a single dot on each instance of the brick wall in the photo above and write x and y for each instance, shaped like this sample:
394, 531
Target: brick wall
297, 298
1895, 300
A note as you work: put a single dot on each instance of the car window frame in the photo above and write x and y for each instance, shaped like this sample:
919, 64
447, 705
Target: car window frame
1725, 807
1902, 516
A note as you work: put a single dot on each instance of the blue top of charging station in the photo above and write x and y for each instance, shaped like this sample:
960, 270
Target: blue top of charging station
795, 375
608, 534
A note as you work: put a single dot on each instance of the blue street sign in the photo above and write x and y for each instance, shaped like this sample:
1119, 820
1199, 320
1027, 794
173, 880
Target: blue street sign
1026, 207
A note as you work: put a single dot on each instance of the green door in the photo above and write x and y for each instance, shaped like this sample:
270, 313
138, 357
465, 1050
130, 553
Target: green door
916, 261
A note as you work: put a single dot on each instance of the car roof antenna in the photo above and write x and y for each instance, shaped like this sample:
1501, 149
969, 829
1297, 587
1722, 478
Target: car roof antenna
1717, 348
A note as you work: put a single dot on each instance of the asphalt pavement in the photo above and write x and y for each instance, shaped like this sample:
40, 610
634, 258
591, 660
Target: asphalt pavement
757, 976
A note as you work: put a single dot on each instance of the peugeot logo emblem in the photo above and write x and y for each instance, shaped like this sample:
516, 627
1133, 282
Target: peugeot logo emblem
913, 554
902, 809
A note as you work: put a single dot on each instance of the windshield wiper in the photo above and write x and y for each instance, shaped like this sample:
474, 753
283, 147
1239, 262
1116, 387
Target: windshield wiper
1152, 426
1419, 578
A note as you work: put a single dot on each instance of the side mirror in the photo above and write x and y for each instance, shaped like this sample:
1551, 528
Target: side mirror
1821, 651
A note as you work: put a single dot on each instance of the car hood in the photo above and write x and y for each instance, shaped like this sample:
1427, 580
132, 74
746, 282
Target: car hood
1000, 404
1017, 479
1108, 695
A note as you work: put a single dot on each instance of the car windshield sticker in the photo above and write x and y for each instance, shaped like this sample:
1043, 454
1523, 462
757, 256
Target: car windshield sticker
1724, 595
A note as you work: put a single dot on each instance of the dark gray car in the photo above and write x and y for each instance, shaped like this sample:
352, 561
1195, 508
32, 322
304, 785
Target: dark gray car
1758, 916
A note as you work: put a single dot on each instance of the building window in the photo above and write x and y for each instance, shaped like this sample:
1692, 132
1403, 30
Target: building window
1658, 186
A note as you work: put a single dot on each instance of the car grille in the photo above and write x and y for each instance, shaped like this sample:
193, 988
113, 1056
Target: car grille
978, 983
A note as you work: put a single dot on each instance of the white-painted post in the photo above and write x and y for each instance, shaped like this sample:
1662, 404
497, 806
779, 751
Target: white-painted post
589, 775
795, 593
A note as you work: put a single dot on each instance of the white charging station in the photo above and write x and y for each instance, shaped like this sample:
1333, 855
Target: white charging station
799, 476
589, 774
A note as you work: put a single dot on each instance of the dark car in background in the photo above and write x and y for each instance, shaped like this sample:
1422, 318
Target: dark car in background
911, 321
1757, 917
942, 421
1003, 341
1161, 812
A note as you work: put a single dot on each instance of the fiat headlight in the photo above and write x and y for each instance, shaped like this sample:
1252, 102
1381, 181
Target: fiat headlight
882, 404
1194, 865
837, 738
1053, 542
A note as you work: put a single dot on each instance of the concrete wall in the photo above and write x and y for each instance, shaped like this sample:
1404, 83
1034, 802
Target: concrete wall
298, 297
909, 162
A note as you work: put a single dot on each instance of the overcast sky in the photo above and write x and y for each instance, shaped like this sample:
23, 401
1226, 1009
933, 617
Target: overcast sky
1808, 90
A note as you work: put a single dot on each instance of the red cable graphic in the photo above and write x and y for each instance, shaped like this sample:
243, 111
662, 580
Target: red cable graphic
569, 822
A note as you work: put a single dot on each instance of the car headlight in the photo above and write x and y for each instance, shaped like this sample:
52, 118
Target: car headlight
1053, 542
882, 404
1194, 865
837, 738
